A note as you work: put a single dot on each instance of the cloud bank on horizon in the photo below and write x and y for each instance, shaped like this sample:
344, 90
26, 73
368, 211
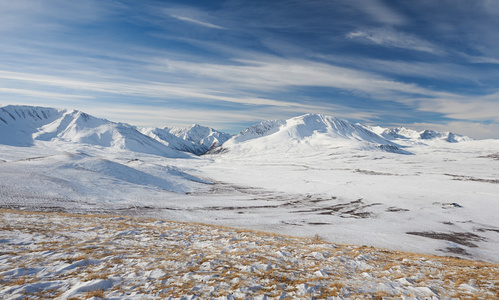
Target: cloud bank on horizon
229, 64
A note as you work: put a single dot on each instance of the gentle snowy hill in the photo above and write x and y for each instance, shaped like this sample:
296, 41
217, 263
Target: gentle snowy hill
23, 125
310, 134
203, 136
402, 133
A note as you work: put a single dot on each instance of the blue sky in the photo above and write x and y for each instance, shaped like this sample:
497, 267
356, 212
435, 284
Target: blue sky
229, 64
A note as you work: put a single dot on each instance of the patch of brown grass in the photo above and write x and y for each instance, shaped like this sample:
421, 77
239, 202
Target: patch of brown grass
93, 276
286, 275
96, 293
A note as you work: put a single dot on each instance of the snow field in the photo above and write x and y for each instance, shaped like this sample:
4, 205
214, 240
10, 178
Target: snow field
63, 256
440, 201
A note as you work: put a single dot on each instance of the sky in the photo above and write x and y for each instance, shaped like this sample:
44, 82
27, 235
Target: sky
426, 64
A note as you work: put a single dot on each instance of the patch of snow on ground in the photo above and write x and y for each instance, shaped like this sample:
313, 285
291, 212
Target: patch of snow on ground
60, 256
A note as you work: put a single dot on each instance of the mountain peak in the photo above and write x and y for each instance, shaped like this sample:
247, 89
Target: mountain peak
309, 133
196, 139
204, 136
24, 125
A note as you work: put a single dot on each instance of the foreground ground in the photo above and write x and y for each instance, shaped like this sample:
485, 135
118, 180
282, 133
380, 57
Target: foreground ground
64, 256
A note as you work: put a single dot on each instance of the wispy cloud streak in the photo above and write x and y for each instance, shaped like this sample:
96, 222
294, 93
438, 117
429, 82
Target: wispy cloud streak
389, 37
198, 22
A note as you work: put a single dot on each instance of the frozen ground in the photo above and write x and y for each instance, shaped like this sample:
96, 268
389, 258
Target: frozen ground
442, 200
61, 256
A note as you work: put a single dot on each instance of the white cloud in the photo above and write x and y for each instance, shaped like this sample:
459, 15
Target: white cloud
379, 11
150, 89
35, 15
483, 60
389, 37
434, 70
271, 74
477, 108
190, 15
41, 94
160, 116
198, 22
241, 81
491, 7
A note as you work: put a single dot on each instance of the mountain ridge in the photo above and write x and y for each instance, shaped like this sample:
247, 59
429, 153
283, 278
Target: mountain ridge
23, 125
402, 133
203, 136
309, 133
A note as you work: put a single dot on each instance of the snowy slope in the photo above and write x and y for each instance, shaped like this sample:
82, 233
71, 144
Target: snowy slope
19, 123
310, 134
258, 130
23, 125
98, 181
203, 136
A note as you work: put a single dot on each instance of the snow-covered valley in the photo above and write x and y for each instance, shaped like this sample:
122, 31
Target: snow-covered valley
313, 175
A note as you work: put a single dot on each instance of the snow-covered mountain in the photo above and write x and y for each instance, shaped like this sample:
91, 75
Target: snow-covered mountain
23, 125
402, 133
309, 134
305, 135
164, 136
204, 136
195, 139
445, 136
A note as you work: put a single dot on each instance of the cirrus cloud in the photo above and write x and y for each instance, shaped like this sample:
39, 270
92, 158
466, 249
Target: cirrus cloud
389, 37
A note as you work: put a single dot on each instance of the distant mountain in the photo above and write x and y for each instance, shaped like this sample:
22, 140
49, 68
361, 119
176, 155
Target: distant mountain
402, 133
445, 136
206, 137
305, 135
195, 139
23, 125
164, 136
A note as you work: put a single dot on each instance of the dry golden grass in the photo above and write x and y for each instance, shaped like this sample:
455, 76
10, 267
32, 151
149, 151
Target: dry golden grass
97, 294
94, 276
285, 275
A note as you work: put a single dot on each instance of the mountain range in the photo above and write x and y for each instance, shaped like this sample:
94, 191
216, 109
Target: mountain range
302, 135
